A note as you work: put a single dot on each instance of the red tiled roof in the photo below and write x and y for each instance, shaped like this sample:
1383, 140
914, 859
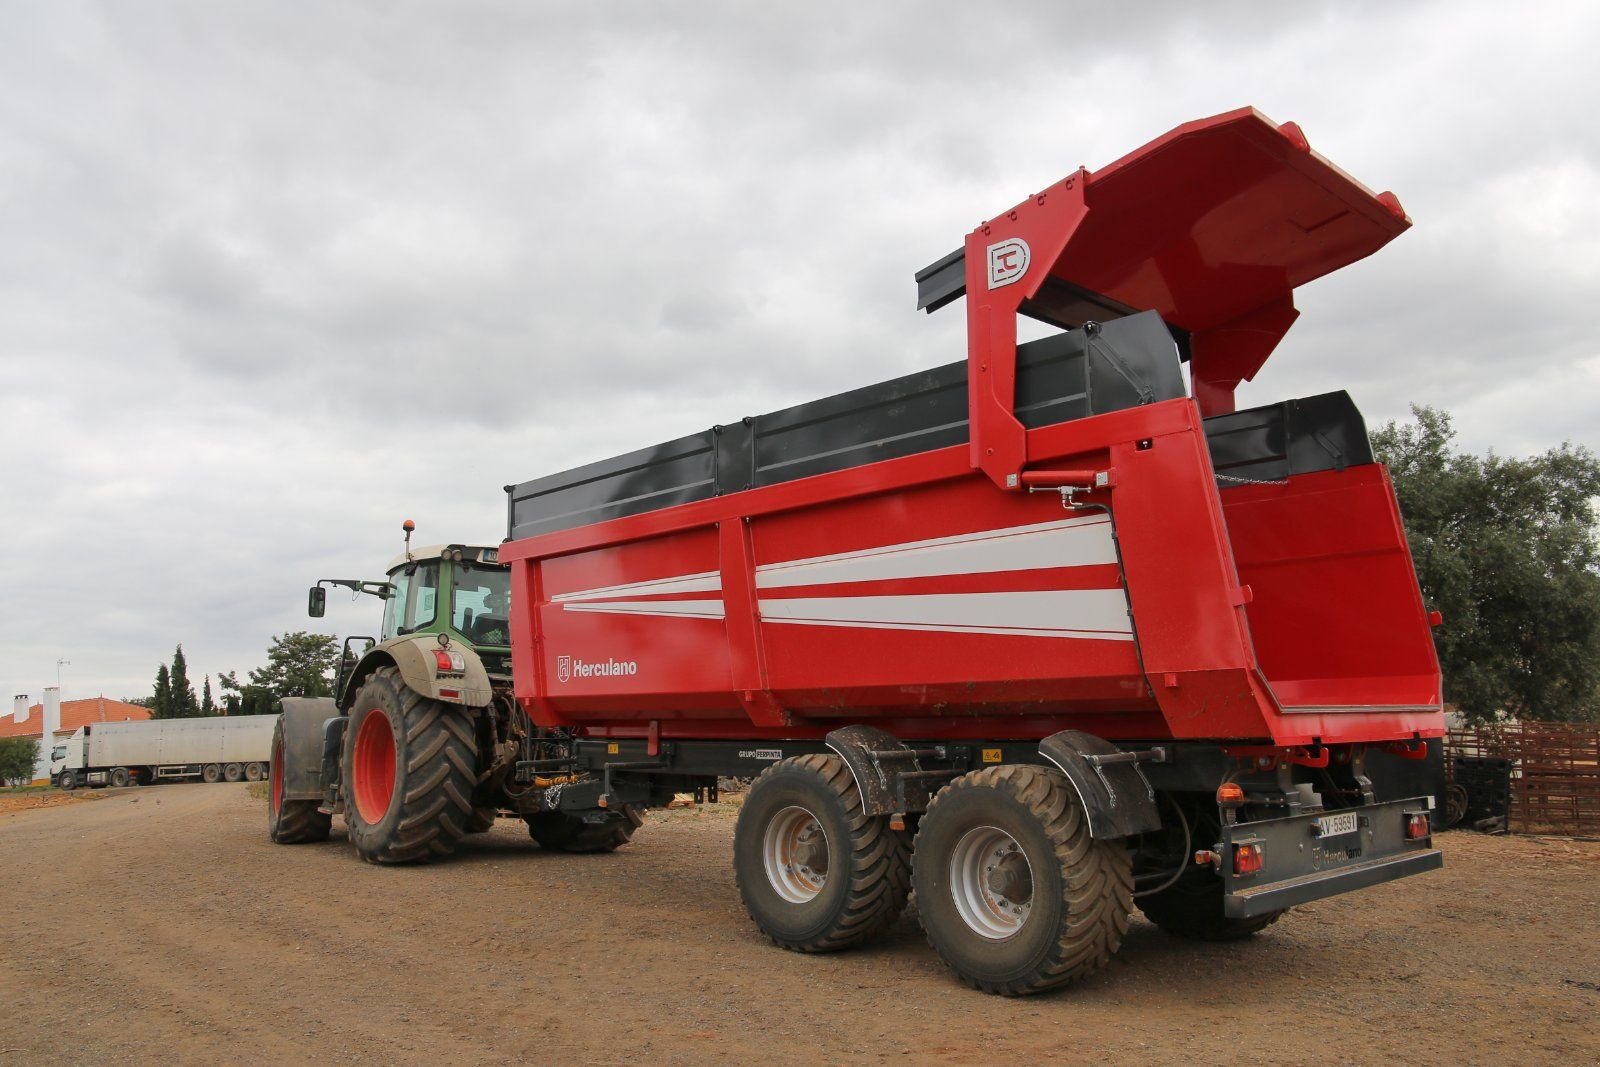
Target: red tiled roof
74, 713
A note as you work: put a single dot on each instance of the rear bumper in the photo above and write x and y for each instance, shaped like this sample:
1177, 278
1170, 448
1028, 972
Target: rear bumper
1299, 866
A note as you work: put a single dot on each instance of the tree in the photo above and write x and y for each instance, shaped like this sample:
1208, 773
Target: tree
161, 702
18, 758
244, 699
207, 705
299, 664
1506, 550
184, 705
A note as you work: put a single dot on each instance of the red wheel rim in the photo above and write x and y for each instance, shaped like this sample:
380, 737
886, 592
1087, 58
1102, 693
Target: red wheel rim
373, 767
277, 777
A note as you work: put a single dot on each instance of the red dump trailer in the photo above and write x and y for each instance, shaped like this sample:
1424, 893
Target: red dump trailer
1045, 634
1048, 633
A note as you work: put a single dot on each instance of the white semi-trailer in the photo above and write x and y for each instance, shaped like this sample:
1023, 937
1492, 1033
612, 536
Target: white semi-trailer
225, 749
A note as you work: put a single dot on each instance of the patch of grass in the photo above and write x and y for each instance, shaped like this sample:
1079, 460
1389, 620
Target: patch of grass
257, 790
15, 790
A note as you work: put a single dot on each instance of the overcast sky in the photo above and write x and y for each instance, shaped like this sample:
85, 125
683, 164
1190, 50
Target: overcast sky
274, 277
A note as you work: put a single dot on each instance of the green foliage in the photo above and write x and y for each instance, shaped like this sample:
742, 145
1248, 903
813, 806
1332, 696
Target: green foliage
245, 699
299, 664
18, 757
207, 705
161, 702
1506, 549
184, 705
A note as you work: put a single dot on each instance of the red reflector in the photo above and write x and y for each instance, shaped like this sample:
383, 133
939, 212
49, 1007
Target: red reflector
1246, 859
1416, 827
442, 659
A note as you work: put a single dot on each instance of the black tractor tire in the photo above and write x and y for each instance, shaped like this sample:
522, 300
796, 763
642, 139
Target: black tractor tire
211, 773
593, 831
1192, 908
817, 896
291, 822
119, 777
482, 820
232, 773
1053, 906
253, 772
67, 782
409, 771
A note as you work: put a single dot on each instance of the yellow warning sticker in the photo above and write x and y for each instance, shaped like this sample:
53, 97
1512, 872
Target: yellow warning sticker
612, 749
991, 755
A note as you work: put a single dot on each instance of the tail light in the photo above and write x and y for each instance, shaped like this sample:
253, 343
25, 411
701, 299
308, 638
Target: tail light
449, 660
1416, 827
1246, 859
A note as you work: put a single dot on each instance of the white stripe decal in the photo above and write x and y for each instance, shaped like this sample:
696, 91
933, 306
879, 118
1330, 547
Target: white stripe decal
681, 609
704, 582
1081, 613
1078, 542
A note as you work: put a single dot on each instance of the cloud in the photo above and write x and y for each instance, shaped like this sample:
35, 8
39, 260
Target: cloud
275, 278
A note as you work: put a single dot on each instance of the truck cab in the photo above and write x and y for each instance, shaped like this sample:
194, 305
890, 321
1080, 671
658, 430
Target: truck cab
65, 754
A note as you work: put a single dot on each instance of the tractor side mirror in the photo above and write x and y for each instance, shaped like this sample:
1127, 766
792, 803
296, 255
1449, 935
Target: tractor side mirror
319, 602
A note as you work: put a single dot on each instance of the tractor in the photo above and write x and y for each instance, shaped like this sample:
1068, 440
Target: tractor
421, 743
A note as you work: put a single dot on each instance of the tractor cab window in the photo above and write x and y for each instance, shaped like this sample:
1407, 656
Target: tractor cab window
481, 601
58, 753
414, 601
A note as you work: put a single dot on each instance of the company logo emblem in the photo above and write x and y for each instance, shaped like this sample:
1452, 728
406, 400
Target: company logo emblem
1008, 261
568, 668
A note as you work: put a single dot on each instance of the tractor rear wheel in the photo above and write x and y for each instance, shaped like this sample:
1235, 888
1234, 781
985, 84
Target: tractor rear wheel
290, 822
409, 770
482, 820
1014, 894
594, 831
816, 872
1192, 908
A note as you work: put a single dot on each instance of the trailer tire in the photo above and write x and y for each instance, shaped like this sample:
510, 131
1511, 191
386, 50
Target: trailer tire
211, 773
119, 777
1074, 892
67, 782
252, 772
783, 876
603, 831
232, 773
291, 822
1192, 908
409, 771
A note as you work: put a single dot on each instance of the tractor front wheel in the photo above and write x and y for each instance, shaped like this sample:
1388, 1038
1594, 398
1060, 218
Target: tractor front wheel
290, 822
409, 770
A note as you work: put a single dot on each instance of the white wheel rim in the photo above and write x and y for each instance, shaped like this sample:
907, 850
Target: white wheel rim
794, 851
991, 882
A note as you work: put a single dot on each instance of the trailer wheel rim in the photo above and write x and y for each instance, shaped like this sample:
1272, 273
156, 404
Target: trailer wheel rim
794, 851
991, 882
374, 767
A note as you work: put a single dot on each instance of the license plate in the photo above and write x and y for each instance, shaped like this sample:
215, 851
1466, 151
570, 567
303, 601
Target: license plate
1334, 825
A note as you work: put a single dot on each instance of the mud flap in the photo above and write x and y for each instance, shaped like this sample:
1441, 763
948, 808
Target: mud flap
1115, 796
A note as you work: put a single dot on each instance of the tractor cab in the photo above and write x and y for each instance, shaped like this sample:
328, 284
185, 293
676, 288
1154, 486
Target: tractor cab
443, 605
462, 590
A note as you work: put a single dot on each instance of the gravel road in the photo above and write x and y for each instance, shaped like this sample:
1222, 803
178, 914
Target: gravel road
159, 923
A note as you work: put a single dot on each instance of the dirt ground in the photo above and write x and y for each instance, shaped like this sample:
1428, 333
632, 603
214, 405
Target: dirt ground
161, 923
